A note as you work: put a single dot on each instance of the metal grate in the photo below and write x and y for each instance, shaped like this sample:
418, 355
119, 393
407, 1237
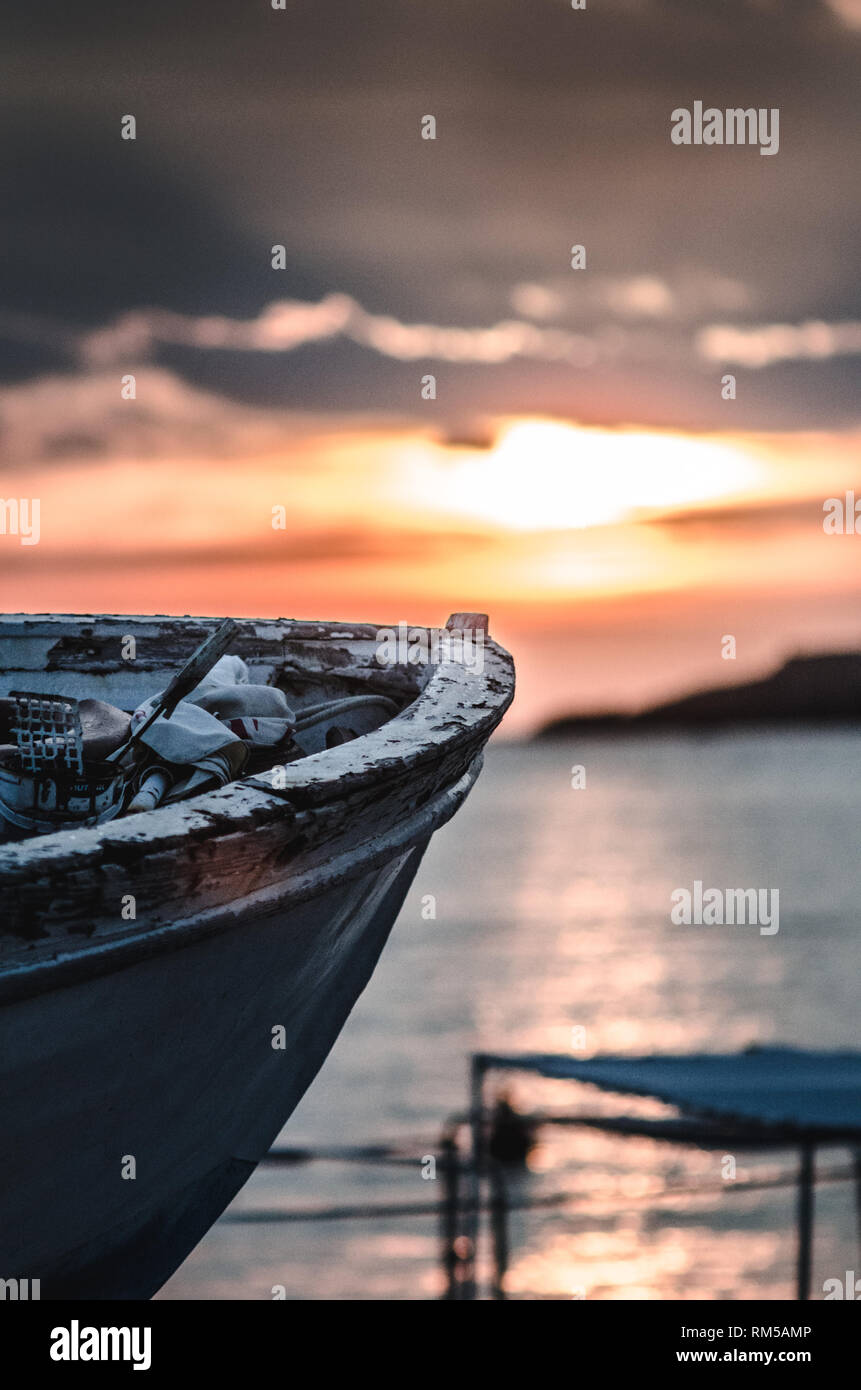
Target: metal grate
47, 730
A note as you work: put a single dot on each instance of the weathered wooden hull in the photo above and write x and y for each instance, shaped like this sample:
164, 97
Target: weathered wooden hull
146, 1045
171, 1062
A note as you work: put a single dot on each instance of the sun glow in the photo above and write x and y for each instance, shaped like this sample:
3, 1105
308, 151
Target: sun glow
546, 475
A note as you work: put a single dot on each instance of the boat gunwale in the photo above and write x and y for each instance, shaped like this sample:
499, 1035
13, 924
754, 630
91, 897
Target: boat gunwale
84, 959
456, 705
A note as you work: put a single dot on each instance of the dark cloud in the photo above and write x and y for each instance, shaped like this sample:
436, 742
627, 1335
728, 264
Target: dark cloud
302, 127
92, 225
310, 548
757, 517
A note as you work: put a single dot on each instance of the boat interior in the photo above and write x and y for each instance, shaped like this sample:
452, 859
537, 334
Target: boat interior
72, 755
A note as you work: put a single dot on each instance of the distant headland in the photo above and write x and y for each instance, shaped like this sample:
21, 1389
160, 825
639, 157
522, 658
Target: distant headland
805, 690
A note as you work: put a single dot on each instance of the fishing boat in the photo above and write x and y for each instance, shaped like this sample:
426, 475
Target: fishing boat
172, 980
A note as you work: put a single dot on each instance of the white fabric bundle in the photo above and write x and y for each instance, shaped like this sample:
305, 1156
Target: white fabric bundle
221, 710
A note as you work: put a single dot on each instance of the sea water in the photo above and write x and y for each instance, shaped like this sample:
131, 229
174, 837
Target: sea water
540, 920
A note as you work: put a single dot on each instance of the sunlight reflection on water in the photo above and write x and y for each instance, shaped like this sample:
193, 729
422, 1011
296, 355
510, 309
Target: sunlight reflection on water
553, 912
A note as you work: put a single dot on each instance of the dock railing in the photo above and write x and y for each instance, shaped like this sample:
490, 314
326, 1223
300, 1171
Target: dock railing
474, 1211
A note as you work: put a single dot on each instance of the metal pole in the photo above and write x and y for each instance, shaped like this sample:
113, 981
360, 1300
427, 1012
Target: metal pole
472, 1212
450, 1215
856, 1168
806, 1178
499, 1220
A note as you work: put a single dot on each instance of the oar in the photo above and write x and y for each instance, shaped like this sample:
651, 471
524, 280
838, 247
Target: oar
198, 665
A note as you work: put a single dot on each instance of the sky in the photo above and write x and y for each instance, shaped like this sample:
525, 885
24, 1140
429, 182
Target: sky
579, 473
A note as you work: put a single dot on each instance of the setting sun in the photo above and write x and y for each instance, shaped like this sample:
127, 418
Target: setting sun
547, 475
